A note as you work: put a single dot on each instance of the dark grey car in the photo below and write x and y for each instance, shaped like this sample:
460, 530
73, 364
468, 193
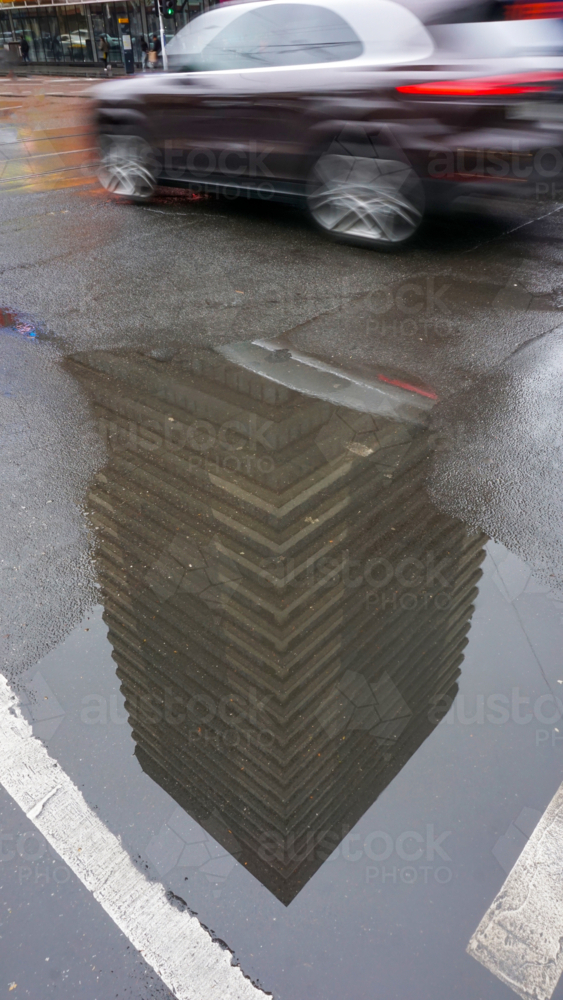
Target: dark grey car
353, 109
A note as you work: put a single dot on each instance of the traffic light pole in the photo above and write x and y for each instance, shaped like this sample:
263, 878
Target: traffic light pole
162, 38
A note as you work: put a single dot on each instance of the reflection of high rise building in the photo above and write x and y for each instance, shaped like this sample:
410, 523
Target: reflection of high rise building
285, 605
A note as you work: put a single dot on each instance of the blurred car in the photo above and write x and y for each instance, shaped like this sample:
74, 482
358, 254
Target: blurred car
74, 41
351, 108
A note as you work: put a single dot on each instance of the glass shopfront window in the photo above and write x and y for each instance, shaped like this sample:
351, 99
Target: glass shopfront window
65, 34
75, 40
105, 22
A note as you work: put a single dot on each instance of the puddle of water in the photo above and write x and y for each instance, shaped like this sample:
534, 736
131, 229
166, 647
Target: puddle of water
299, 700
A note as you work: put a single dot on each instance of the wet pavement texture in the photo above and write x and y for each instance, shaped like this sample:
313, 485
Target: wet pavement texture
288, 614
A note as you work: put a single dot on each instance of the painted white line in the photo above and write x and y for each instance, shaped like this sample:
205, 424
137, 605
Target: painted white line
34, 813
172, 941
520, 937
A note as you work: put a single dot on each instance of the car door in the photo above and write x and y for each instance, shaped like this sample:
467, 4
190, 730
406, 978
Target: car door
289, 83
200, 115
191, 126
243, 115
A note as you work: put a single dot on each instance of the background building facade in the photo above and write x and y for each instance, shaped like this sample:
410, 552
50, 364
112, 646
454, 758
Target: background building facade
69, 34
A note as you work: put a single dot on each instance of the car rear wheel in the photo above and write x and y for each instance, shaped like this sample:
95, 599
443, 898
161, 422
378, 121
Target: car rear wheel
366, 201
127, 167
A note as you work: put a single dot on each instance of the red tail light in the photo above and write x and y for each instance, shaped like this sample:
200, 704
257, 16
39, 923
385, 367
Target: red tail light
528, 11
487, 86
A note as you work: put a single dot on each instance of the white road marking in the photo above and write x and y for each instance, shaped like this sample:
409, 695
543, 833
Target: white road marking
34, 813
171, 940
520, 938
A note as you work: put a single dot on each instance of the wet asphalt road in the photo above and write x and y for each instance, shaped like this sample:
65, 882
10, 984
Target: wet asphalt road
472, 313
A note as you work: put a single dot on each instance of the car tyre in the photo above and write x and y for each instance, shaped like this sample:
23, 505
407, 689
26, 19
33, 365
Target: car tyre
127, 167
367, 201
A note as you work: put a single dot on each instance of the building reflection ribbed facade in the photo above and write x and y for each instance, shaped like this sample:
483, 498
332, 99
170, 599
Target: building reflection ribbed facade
287, 609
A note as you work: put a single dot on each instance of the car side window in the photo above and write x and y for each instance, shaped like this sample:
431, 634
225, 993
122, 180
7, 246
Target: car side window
280, 34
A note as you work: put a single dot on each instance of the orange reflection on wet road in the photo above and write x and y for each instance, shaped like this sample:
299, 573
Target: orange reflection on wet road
46, 142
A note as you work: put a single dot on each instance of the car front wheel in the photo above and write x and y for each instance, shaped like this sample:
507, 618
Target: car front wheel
127, 167
367, 201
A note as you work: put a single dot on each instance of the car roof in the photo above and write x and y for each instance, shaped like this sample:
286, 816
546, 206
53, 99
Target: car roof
389, 31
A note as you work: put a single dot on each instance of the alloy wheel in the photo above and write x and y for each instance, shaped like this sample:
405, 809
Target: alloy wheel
127, 167
359, 199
